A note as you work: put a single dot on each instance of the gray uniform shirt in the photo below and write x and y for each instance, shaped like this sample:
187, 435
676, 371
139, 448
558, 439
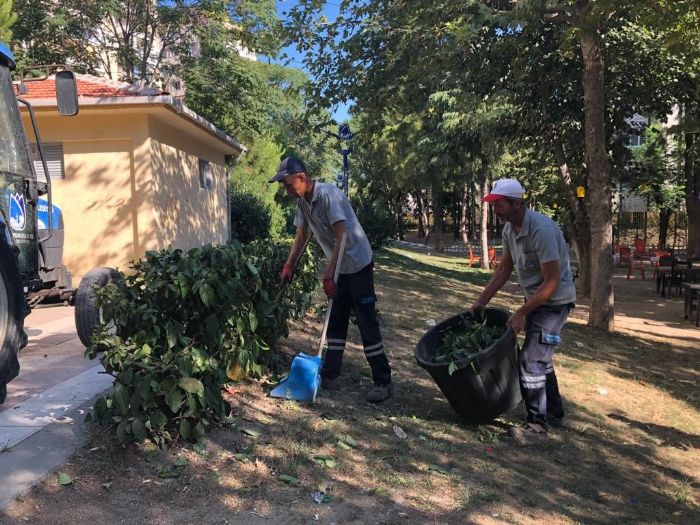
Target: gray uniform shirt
328, 206
540, 240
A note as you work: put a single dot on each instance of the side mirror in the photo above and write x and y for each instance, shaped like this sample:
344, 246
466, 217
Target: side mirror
67, 93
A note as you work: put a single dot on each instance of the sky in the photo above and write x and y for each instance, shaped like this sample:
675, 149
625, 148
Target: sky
339, 113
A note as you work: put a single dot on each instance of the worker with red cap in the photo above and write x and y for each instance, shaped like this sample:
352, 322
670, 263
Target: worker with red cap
534, 245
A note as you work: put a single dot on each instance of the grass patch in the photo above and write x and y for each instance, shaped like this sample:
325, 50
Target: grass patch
473, 493
682, 493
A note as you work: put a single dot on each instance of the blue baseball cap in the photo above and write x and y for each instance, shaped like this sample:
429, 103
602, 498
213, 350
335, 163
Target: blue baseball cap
288, 166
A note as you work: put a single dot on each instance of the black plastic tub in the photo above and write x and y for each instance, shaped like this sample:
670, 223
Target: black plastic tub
476, 397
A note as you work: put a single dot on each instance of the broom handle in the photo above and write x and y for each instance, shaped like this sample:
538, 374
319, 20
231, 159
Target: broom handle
330, 300
296, 261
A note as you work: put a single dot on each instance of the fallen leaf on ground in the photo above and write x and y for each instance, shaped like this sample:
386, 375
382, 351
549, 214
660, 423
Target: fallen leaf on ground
169, 473
399, 432
343, 446
251, 432
438, 468
64, 479
289, 480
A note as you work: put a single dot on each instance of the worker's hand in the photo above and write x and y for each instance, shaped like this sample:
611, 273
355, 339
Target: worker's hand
476, 308
516, 321
329, 287
287, 273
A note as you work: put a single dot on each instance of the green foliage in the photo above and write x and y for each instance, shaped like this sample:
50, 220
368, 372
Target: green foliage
656, 171
251, 174
378, 224
7, 18
182, 321
465, 340
250, 218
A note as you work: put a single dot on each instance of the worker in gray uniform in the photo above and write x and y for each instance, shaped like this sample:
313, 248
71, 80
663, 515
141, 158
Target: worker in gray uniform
327, 212
534, 245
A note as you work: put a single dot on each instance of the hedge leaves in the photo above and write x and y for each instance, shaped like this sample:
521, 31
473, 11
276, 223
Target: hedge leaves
179, 322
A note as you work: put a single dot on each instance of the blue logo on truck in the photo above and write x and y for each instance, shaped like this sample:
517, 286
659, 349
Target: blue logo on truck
42, 215
18, 212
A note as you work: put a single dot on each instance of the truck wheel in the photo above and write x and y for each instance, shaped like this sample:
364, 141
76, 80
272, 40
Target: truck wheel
88, 316
11, 317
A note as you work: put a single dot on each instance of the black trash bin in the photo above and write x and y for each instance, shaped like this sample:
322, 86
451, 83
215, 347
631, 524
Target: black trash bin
483, 396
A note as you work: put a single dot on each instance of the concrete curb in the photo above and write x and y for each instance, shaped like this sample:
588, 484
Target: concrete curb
39, 435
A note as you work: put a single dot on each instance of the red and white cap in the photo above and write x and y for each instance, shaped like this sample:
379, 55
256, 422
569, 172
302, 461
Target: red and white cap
505, 188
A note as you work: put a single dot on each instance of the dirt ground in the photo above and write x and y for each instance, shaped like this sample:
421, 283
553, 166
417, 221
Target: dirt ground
628, 452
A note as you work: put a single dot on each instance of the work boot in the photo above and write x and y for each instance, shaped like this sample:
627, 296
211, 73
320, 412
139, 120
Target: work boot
379, 393
528, 434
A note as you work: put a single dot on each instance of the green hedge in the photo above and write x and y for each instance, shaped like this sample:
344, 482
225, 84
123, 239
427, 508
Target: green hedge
379, 225
180, 322
251, 219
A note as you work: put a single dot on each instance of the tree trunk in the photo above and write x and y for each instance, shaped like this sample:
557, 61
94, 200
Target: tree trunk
579, 227
464, 216
421, 219
593, 82
664, 221
692, 193
437, 215
456, 218
398, 208
484, 224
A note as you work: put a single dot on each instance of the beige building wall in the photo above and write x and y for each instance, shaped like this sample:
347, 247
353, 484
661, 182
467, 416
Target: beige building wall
107, 194
187, 215
132, 184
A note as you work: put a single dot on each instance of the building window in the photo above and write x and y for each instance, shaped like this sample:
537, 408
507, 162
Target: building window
634, 141
53, 154
205, 175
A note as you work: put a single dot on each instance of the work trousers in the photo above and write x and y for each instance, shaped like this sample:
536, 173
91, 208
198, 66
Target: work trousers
356, 292
538, 382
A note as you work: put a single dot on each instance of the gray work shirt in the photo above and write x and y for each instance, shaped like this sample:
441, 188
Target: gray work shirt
540, 240
328, 206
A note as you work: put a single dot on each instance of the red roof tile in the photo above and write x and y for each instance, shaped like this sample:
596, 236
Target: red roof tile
91, 86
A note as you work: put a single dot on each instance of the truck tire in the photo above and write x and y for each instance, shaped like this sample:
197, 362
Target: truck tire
12, 308
88, 316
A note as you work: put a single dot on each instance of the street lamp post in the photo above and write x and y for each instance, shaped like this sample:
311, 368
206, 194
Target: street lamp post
344, 135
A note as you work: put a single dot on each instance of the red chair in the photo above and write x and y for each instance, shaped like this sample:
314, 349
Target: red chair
640, 246
635, 264
659, 254
493, 261
625, 255
472, 258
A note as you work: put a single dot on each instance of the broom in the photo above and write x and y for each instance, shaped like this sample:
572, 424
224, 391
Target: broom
304, 375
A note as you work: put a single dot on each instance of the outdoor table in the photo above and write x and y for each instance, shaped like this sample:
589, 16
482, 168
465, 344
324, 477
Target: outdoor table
661, 274
692, 302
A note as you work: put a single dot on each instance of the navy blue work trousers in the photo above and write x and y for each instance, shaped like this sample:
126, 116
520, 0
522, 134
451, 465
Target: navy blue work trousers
356, 292
538, 382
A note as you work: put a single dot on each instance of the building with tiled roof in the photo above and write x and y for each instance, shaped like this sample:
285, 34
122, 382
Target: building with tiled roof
135, 170
89, 86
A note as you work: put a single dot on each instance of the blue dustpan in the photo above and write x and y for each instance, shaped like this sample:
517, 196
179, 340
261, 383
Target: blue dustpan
303, 380
305, 373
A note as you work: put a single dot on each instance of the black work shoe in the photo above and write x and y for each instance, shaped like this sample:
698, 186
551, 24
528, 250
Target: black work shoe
528, 434
379, 393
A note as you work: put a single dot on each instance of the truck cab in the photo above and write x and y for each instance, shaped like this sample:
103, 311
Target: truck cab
18, 255
31, 227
